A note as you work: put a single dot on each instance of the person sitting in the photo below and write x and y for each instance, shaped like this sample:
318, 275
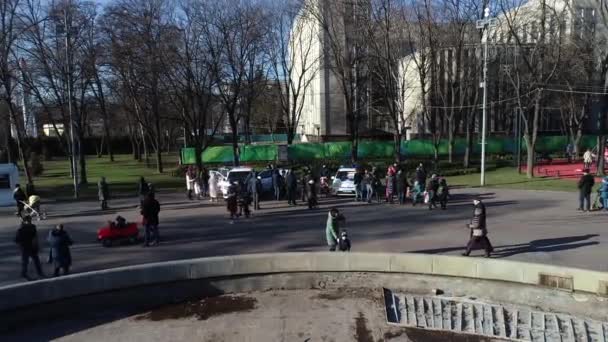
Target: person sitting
344, 242
119, 223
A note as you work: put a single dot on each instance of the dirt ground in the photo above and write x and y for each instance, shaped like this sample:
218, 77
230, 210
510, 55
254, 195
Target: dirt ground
353, 314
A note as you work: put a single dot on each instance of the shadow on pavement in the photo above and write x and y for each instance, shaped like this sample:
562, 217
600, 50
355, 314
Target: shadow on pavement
541, 245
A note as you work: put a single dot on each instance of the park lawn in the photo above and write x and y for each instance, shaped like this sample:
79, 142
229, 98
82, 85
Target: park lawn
508, 178
122, 175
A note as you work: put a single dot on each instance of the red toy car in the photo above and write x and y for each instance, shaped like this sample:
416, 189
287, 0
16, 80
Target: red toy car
112, 232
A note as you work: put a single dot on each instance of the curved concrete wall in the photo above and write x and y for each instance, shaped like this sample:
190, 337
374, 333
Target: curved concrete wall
49, 290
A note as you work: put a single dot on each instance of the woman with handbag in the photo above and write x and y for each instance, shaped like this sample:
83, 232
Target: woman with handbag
479, 231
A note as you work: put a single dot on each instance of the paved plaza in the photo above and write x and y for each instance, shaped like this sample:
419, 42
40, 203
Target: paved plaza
536, 226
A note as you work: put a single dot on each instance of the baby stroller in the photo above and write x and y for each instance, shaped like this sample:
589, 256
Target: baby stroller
33, 209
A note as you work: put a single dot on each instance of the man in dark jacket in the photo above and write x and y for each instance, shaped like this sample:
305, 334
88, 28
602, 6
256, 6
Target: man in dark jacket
402, 186
59, 241
103, 191
291, 187
421, 176
150, 211
479, 231
27, 239
585, 185
19, 197
276, 184
254, 187
432, 189
358, 180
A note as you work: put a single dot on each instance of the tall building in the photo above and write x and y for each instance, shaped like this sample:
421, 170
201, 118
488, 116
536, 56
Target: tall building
324, 31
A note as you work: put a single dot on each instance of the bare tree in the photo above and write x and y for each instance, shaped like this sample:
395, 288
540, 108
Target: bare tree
294, 61
344, 30
539, 50
234, 35
11, 27
140, 33
190, 72
389, 43
424, 52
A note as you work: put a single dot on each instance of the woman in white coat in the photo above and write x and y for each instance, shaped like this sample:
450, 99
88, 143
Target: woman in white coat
190, 181
213, 187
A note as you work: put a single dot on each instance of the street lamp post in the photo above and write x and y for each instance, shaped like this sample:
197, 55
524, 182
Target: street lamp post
485, 24
66, 28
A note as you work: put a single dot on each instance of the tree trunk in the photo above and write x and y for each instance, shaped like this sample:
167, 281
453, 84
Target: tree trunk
21, 147
83, 165
451, 140
576, 142
397, 141
601, 146
466, 162
159, 152
353, 151
99, 148
235, 148
290, 135
198, 156
529, 156
108, 140
145, 146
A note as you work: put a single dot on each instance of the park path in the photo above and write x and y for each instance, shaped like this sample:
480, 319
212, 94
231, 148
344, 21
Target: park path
536, 226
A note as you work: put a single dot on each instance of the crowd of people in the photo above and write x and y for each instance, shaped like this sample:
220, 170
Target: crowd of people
291, 185
401, 186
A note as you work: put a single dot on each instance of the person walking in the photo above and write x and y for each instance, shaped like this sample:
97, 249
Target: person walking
358, 180
27, 240
401, 186
588, 159
213, 187
204, 182
190, 181
59, 241
479, 231
585, 186
291, 187
368, 181
376, 184
143, 190
416, 192
570, 152
421, 176
603, 190
276, 184
390, 187
443, 194
253, 188
150, 212
232, 201
332, 228
19, 197
103, 192
311, 193
432, 189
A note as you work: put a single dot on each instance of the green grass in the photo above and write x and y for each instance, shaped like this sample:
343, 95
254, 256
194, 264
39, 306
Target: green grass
122, 175
508, 178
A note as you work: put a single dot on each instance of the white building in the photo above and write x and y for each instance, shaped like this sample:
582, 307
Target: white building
565, 20
324, 106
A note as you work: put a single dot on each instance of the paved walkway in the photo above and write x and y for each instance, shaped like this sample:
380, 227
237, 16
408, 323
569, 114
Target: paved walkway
535, 226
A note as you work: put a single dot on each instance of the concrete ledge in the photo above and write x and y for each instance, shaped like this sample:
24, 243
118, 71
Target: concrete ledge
27, 294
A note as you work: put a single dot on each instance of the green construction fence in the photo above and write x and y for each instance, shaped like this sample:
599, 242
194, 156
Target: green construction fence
375, 149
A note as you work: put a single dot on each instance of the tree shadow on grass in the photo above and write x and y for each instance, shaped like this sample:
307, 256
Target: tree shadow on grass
541, 245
